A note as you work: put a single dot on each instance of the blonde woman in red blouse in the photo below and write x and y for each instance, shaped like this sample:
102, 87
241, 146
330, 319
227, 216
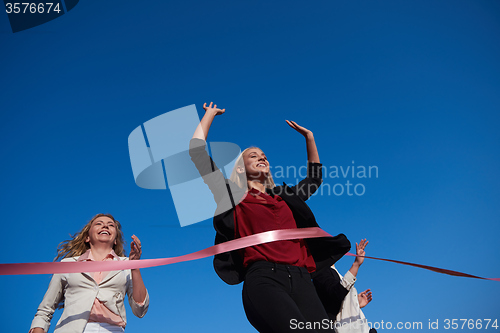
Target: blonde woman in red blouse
278, 295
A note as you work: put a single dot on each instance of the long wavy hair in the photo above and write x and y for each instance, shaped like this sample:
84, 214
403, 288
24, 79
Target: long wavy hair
240, 179
76, 246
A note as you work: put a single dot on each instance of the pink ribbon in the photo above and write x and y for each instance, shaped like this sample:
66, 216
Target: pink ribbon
430, 268
102, 266
236, 244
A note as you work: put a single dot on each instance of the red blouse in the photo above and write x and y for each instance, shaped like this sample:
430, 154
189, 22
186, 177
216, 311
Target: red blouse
259, 212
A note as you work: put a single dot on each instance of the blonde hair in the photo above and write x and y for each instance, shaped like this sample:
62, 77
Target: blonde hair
76, 246
240, 179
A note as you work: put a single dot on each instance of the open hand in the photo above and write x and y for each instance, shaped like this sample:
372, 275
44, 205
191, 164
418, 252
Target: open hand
135, 249
360, 251
302, 130
364, 298
213, 109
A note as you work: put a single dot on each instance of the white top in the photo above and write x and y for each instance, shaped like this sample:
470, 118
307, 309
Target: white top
350, 318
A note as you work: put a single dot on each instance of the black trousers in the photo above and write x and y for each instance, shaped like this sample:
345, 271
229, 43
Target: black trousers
280, 298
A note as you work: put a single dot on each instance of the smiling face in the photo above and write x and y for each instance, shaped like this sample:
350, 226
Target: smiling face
102, 231
252, 165
256, 164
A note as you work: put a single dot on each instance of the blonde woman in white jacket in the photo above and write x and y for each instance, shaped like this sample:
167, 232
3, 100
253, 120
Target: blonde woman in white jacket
94, 302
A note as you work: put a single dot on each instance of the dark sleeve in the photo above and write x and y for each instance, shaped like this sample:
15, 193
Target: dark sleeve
330, 291
228, 265
327, 250
210, 173
307, 186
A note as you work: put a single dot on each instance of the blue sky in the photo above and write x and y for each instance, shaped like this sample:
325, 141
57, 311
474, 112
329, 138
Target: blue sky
411, 87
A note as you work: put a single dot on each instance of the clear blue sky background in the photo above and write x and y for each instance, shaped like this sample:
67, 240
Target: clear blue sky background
412, 87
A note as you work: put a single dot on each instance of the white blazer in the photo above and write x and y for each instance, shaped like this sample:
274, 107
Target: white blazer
78, 291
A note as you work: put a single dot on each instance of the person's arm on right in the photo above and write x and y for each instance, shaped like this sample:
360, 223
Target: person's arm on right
312, 150
349, 278
364, 298
307, 186
360, 251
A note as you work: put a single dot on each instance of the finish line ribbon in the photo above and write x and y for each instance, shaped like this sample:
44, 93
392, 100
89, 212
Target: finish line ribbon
236, 244
430, 268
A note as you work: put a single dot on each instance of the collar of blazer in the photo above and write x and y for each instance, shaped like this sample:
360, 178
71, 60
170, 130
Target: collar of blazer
109, 276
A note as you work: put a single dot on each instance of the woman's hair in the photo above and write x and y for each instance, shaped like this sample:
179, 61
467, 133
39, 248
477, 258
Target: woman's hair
76, 246
240, 179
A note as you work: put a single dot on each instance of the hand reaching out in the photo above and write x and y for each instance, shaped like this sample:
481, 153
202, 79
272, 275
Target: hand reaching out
302, 130
139, 290
360, 251
135, 249
201, 131
364, 298
312, 150
213, 109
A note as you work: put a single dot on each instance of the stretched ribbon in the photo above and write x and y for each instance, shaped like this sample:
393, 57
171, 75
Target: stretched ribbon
236, 244
101, 266
430, 268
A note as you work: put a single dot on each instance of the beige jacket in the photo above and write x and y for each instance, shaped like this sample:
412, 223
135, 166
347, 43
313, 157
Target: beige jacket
78, 291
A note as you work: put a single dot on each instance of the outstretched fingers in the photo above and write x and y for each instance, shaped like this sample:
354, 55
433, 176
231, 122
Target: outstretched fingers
363, 243
213, 107
205, 106
294, 125
368, 294
302, 130
135, 248
364, 298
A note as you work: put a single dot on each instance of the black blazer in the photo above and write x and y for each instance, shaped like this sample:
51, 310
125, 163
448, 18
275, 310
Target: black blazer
229, 265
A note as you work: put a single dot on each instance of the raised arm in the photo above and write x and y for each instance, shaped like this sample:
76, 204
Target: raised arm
312, 150
349, 278
307, 186
360, 251
210, 173
139, 289
201, 131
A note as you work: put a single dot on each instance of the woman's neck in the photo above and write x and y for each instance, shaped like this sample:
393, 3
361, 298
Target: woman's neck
100, 252
256, 185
